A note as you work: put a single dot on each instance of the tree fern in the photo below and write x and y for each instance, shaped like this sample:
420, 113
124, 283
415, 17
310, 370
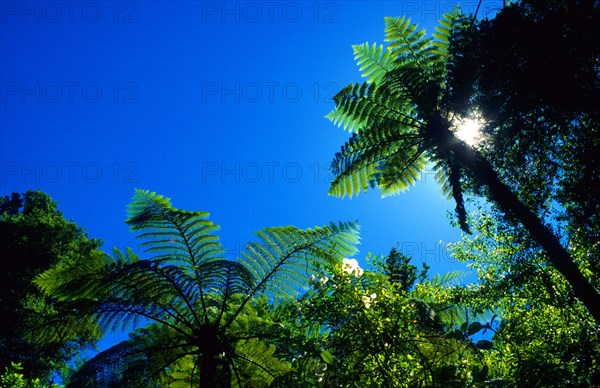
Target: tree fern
395, 114
199, 303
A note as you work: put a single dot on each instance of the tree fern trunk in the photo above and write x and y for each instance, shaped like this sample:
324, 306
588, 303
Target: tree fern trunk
214, 372
509, 203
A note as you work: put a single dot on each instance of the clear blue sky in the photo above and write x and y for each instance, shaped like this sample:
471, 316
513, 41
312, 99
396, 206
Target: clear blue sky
218, 105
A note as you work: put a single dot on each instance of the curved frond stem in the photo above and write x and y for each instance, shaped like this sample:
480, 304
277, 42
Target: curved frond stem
166, 309
408, 165
172, 360
371, 161
183, 297
235, 369
225, 297
195, 263
251, 361
152, 317
287, 243
249, 337
384, 111
156, 371
419, 124
252, 293
192, 374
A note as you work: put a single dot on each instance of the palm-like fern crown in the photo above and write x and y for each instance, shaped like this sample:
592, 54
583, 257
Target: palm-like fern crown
186, 287
389, 113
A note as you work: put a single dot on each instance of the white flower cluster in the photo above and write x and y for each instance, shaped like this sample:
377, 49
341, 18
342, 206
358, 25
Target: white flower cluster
350, 266
368, 300
317, 282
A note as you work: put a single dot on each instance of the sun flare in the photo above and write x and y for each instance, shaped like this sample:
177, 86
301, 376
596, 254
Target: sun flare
469, 130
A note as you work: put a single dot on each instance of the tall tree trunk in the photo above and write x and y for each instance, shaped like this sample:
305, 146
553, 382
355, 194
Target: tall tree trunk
510, 204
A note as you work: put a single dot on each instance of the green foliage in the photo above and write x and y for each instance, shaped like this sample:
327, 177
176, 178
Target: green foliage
374, 61
203, 309
36, 331
365, 330
14, 378
544, 336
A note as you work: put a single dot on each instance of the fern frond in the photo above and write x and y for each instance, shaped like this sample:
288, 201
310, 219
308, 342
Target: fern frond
83, 279
420, 63
284, 257
358, 105
448, 278
444, 30
411, 49
134, 362
172, 234
124, 291
417, 84
406, 88
385, 154
352, 109
182, 373
374, 61
422, 291
257, 364
400, 173
441, 178
355, 180
447, 26
58, 323
187, 290
405, 42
